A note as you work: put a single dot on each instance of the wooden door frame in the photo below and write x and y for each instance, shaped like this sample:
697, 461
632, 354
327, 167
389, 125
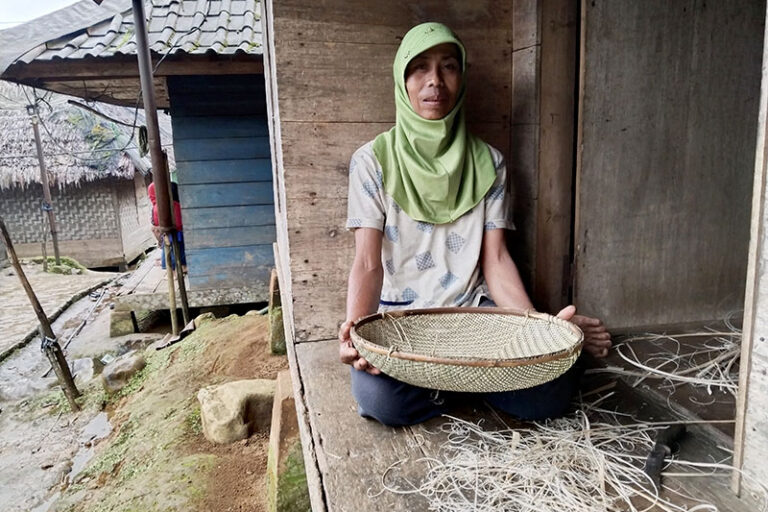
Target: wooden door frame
559, 28
752, 292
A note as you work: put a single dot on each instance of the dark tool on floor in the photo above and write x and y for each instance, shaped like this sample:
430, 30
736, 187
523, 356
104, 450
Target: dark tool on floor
666, 444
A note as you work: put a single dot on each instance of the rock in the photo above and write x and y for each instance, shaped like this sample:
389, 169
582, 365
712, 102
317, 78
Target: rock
119, 372
233, 411
82, 370
205, 317
120, 323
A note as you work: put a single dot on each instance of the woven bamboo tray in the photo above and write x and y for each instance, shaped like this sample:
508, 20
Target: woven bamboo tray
468, 349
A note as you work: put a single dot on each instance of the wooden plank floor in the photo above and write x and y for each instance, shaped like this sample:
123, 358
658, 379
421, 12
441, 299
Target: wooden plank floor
350, 454
147, 279
353, 453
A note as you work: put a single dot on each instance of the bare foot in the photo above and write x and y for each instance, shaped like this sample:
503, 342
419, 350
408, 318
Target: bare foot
597, 339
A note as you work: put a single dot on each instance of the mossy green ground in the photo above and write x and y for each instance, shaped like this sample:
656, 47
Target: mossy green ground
288, 492
156, 459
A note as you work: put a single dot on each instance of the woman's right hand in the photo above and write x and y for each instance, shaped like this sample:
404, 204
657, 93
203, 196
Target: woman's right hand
349, 355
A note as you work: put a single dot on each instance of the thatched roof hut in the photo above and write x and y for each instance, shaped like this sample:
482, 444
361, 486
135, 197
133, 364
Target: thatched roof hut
97, 174
79, 146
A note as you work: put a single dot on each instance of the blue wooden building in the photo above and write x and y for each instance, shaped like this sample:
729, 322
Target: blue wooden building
225, 178
209, 77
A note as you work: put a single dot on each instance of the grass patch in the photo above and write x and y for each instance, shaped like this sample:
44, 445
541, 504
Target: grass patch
193, 423
66, 263
156, 360
52, 402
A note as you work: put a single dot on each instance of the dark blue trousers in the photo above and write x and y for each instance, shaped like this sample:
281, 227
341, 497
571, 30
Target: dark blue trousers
395, 403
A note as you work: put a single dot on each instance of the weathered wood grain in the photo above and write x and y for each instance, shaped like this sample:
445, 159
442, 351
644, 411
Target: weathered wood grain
223, 126
557, 102
225, 194
215, 148
670, 107
230, 216
353, 453
225, 171
368, 66
750, 438
229, 236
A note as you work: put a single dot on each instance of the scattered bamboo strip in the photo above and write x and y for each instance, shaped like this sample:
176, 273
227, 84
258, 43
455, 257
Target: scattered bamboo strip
577, 463
721, 352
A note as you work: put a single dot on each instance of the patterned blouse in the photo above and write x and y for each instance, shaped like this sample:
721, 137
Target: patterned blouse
425, 265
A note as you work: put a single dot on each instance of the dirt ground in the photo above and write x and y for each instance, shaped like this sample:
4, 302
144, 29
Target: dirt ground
141, 449
157, 457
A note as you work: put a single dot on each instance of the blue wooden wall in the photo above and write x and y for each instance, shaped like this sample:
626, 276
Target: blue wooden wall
224, 172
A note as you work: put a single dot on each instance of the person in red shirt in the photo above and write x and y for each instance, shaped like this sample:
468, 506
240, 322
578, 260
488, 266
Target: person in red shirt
177, 221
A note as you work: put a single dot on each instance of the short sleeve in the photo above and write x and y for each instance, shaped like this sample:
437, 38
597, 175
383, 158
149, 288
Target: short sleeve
498, 201
365, 206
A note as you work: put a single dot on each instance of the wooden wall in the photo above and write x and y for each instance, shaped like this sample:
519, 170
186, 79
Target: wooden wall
134, 216
669, 110
330, 69
222, 151
86, 220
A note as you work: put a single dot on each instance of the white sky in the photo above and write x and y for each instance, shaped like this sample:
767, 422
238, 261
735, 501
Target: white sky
14, 12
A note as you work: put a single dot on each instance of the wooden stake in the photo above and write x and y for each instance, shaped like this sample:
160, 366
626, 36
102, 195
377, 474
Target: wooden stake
49, 344
168, 247
180, 278
47, 205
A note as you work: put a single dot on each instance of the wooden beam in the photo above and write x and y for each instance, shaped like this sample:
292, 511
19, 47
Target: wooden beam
127, 67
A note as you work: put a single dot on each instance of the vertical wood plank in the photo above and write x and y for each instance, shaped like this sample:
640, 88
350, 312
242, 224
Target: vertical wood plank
559, 39
669, 110
334, 90
749, 444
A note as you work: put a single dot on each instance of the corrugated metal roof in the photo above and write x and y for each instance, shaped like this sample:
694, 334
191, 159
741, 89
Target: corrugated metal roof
174, 26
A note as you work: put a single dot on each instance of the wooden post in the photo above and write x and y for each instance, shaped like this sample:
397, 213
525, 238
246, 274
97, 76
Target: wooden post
180, 278
47, 204
159, 170
167, 248
49, 344
177, 252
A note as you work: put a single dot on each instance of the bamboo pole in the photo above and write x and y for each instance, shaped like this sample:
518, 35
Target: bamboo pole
159, 170
47, 204
177, 252
167, 248
49, 344
180, 278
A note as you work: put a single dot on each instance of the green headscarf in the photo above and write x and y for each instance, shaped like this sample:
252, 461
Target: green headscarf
434, 169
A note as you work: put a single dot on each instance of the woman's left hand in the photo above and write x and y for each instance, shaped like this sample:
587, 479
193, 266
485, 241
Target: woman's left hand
597, 339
